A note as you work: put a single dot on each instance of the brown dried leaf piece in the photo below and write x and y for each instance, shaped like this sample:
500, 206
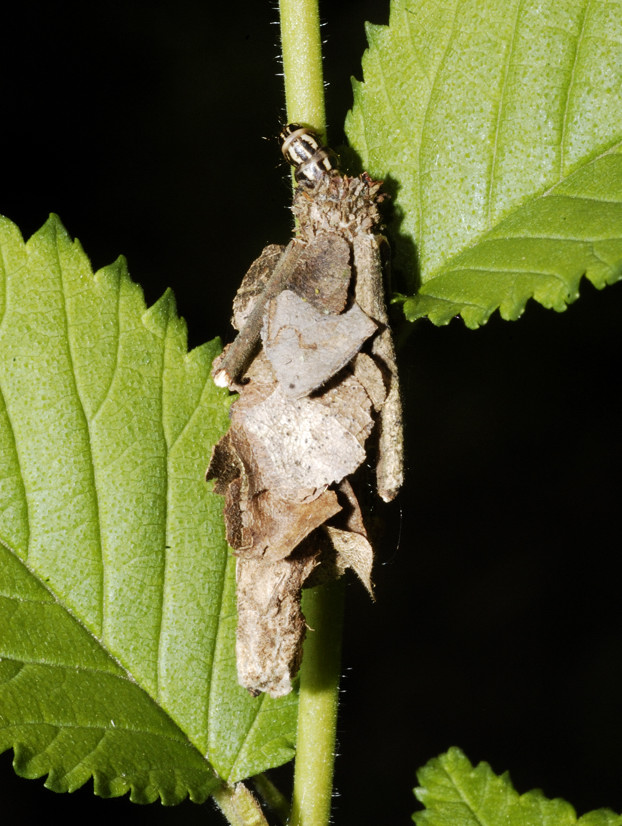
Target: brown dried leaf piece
307, 347
272, 528
271, 626
231, 364
353, 551
322, 276
348, 537
370, 294
371, 377
254, 283
259, 523
300, 446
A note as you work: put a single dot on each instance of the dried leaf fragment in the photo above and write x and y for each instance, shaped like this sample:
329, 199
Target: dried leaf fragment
301, 446
233, 362
307, 347
322, 276
370, 294
354, 551
272, 528
260, 523
271, 626
254, 283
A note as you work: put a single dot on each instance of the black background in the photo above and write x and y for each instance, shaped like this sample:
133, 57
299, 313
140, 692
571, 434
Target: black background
497, 625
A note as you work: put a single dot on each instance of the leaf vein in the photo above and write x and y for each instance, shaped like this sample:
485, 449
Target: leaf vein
570, 88
426, 114
500, 110
95, 495
513, 272
249, 730
215, 638
124, 677
113, 373
189, 421
166, 519
180, 741
11, 430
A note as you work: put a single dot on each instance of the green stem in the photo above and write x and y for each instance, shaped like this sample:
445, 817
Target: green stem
301, 47
317, 705
239, 806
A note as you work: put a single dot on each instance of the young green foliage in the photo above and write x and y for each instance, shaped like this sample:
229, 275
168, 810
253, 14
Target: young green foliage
455, 793
117, 603
500, 125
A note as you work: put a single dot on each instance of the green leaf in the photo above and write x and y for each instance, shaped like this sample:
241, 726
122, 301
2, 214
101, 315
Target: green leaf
498, 126
456, 794
117, 592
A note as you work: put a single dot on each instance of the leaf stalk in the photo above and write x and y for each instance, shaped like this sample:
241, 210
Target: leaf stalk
239, 805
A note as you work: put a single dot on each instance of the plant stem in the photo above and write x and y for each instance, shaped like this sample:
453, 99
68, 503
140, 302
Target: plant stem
317, 705
323, 606
239, 806
301, 47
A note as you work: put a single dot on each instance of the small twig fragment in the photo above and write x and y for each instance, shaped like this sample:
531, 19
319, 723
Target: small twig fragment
370, 295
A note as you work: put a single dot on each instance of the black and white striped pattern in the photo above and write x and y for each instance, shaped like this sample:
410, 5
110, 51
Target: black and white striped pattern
302, 149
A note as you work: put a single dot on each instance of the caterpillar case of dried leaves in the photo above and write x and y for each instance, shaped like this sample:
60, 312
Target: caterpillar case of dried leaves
314, 366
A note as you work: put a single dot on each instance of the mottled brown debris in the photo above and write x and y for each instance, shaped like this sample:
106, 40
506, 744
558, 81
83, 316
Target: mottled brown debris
348, 537
254, 283
338, 204
300, 446
322, 276
271, 626
371, 377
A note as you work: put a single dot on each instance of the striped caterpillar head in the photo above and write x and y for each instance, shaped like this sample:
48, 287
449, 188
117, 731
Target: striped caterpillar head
302, 149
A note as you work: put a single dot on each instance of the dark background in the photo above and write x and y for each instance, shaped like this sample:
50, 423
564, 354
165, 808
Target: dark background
497, 625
